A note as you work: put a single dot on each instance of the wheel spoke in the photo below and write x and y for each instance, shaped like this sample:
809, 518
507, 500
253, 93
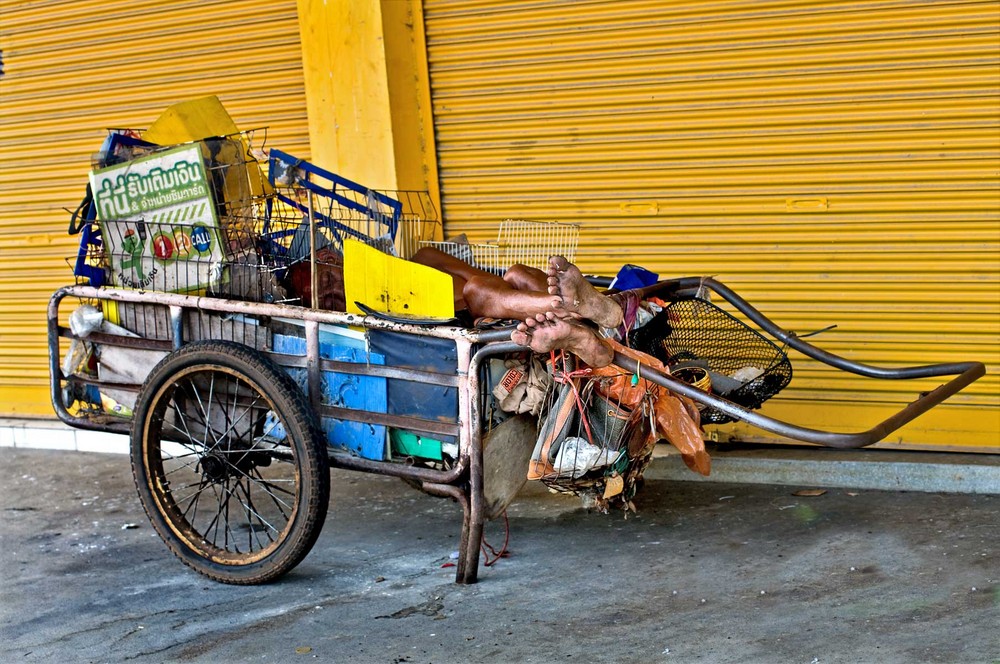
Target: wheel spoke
193, 462
249, 515
191, 495
196, 397
179, 414
194, 453
249, 506
208, 415
277, 502
253, 425
194, 498
225, 434
265, 484
223, 507
192, 397
270, 484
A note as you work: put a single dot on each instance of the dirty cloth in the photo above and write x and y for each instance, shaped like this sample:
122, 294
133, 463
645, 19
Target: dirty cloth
523, 387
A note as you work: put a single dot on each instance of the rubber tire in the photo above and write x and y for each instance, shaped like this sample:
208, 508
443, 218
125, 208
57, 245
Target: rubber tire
308, 443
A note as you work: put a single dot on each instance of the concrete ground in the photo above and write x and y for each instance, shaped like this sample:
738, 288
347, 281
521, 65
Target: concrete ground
703, 573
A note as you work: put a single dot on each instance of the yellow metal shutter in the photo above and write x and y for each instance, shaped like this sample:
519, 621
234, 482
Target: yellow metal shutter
73, 68
833, 162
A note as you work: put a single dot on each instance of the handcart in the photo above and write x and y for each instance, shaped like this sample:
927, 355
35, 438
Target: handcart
231, 395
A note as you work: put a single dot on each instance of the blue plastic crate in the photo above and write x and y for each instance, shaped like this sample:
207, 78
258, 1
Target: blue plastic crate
366, 393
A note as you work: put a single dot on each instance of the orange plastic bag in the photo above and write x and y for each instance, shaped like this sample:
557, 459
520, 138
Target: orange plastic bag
676, 417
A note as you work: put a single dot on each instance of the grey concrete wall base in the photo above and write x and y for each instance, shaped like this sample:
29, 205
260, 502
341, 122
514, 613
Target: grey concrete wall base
860, 469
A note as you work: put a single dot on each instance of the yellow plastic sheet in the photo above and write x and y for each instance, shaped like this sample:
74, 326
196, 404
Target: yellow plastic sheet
394, 285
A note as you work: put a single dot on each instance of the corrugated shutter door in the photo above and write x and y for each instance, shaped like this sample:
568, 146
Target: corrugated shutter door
833, 162
71, 69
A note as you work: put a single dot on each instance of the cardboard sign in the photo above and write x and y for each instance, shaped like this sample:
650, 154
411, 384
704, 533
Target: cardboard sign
159, 223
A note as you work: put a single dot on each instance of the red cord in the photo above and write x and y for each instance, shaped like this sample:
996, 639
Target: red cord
502, 553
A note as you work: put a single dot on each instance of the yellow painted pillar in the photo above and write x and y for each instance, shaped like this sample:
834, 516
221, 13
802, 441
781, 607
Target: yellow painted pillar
367, 92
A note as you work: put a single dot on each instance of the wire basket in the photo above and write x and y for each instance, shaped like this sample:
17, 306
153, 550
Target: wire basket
743, 366
395, 222
486, 256
531, 243
518, 241
592, 446
241, 232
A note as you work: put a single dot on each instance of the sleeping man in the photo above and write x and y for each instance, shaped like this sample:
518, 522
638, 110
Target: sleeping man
558, 310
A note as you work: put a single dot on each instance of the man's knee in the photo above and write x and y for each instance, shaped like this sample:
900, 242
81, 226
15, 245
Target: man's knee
522, 277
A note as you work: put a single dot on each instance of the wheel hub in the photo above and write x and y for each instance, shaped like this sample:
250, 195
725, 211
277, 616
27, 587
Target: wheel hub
214, 468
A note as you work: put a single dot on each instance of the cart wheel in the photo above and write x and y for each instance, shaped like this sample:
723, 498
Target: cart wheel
229, 463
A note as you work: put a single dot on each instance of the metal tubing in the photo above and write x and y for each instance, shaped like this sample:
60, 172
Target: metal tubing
237, 307
56, 377
804, 347
177, 326
467, 444
376, 370
350, 462
499, 334
96, 382
138, 343
469, 554
830, 439
447, 491
313, 375
312, 253
398, 421
450, 491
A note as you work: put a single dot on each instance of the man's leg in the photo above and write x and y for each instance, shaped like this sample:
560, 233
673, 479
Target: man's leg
459, 270
485, 294
524, 278
493, 297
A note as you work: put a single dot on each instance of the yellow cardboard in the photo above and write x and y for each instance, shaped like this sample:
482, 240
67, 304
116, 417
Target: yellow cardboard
613, 486
198, 119
394, 285
191, 120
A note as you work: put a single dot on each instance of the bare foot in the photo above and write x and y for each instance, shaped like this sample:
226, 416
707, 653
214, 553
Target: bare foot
547, 332
578, 297
522, 335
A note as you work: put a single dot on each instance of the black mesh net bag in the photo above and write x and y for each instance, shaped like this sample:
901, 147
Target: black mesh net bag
743, 365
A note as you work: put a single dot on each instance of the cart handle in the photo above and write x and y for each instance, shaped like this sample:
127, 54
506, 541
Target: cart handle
965, 373
673, 286
970, 371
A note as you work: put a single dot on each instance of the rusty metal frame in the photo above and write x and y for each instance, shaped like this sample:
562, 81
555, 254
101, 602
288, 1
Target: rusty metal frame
464, 482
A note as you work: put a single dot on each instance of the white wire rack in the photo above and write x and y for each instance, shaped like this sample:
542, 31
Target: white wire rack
519, 241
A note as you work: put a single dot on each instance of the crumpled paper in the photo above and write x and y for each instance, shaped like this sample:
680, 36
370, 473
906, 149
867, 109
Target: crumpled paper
576, 457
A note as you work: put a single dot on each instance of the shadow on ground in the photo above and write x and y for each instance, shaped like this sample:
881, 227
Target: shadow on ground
703, 573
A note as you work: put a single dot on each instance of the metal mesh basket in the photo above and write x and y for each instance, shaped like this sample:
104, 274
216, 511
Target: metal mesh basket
240, 237
744, 366
393, 221
591, 445
532, 242
185, 219
486, 257
519, 241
